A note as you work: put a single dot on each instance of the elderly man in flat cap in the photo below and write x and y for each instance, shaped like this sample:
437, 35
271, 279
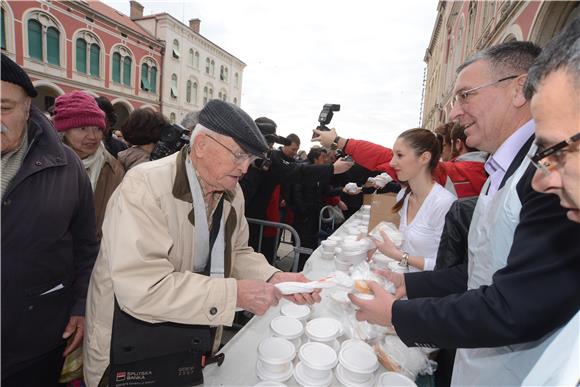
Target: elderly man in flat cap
49, 239
175, 263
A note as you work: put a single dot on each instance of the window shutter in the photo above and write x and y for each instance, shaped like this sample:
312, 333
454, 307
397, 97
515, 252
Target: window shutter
127, 62
35, 39
53, 46
117, 67
145, 77
3, 31
95, 60
153, 80
81, 56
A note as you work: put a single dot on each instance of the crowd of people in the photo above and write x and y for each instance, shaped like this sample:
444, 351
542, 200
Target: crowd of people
134, 264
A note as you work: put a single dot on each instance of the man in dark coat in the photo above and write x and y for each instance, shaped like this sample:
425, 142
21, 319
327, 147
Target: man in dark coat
49, 239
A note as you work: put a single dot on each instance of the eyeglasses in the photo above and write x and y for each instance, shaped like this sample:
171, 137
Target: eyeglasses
462, 97
548, 159
239, 157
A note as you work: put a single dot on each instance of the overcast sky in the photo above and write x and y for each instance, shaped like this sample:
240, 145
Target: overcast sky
365, 55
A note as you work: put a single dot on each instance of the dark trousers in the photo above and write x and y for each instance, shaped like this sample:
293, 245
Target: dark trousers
43, 371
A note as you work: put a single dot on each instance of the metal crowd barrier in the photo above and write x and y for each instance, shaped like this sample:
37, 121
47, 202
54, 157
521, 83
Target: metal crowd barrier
326, 219
280, 227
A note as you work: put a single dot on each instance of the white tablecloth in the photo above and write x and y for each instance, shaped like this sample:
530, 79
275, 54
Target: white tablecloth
239, 367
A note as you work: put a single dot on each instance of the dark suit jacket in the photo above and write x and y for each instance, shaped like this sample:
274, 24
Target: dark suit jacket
536, 292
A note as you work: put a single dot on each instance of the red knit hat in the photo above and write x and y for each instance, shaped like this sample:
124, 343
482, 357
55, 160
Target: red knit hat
76, 110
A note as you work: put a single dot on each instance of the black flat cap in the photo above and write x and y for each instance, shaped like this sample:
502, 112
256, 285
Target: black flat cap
230, 120
13, 73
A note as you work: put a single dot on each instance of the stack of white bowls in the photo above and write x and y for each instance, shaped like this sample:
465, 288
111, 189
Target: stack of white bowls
299, 312
328, 247
351, 253
288, 328
357, 364
316, 363
275, 357
366, 209
324, 330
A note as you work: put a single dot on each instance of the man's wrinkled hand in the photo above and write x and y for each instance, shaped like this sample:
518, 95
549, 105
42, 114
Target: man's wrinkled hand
76, 327
376, 311
298, 298
257, 296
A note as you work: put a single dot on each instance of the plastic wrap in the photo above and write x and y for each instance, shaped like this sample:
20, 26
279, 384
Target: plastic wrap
395, 356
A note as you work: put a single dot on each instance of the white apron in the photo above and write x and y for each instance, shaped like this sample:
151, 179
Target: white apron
559, 364
490, 239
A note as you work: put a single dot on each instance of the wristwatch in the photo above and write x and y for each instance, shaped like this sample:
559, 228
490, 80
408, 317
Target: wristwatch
405, 260
334, 144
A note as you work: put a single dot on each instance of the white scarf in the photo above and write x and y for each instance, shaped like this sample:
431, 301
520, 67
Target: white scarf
201, 230
94, 163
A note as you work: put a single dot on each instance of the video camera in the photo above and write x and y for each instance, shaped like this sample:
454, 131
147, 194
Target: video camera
268, 129
173, 137
326, 116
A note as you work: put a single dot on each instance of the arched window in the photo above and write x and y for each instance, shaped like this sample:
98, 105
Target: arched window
212, 69
196, 55
172, 118
43, 38
191, 57
174, 86
195, 93
210, 93
205, 95
153, 80
235, 100
236, 80
81, 47
127, 62
220, 95
176, 48
188, 91
224, 96
207, 65
226, 75
222, 73
88, 54
35, 39
122, 65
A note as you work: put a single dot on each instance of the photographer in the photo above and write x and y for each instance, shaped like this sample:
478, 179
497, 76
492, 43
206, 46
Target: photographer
261, 180
142, 130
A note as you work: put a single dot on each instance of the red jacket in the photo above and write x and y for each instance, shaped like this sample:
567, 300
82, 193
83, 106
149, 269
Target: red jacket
467, 177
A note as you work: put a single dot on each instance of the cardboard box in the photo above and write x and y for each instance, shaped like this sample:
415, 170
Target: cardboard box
381, 209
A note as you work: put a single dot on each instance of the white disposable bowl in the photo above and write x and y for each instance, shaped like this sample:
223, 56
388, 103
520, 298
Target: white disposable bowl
300, 312
327, 255
304, 380
269, 383
394, 379
323, 329
341, 265
276, 355
288, 328
329, 245
318, 360
359, 362
263, 372
353, 245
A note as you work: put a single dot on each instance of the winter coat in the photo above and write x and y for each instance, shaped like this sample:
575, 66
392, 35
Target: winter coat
110, 177
49, 245
146, 259
133, 156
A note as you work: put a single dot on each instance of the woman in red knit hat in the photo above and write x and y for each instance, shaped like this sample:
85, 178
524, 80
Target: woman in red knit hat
82, 123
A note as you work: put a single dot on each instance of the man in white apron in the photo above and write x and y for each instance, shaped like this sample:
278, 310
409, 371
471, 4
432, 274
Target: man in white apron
537, 291
553, 86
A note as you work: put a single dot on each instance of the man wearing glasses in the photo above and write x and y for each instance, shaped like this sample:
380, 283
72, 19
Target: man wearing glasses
175, 251
553, 87
523, 267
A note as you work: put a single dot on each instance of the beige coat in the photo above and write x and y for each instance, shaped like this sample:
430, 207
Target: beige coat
110, 177
146, 259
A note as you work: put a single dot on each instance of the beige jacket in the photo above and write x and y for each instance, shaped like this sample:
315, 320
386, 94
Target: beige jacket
146, 259
110, 177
